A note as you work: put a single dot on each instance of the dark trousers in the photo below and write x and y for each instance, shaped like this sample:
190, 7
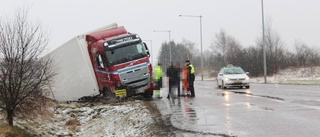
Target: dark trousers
174, 84
159, 84
191, 84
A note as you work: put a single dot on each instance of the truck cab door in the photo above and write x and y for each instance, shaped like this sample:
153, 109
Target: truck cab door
102, 73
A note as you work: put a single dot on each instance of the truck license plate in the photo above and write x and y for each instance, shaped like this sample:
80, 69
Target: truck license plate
121, 93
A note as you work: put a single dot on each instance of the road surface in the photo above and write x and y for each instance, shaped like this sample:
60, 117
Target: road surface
264, 110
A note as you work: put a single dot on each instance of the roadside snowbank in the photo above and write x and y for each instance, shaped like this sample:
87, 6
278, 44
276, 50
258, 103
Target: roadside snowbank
130, 118
305, 75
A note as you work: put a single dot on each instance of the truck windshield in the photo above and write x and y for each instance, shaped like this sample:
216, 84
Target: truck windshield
126, 53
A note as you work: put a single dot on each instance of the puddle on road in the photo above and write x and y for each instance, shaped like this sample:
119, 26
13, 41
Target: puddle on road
263, 108
276, 98
250, 94
221, 94
241, 92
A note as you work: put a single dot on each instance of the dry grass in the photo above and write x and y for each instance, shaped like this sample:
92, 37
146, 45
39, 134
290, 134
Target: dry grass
31, 110
72, 124
8, 131
37, 106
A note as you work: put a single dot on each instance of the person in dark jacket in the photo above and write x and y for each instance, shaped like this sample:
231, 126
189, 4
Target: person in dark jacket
173, 74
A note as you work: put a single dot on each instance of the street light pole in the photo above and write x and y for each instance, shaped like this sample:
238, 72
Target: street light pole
264, 47
201, 57
169, 41
151, 51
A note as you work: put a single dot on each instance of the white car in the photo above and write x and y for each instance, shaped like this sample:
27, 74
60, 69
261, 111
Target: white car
232, 76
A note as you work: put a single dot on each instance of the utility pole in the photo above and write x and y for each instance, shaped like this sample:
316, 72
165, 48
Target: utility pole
200, 40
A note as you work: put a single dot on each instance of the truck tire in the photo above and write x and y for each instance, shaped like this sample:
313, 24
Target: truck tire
148, 94
130, 90
108, 93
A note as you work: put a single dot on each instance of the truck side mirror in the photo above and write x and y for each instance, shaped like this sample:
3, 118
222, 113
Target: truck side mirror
146, 47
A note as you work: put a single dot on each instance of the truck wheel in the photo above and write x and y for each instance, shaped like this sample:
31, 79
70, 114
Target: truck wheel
108, 93
148, 94
130, 90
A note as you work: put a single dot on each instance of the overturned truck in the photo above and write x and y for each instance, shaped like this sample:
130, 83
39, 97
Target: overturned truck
106, 61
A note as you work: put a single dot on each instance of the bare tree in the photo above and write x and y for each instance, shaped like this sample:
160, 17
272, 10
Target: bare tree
302, 53
23, 74
220, 46
274, 48
226, 46
234, 52
306, 56
190, 47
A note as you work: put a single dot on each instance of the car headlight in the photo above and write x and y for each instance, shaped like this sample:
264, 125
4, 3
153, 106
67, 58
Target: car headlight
226, 79
247, 78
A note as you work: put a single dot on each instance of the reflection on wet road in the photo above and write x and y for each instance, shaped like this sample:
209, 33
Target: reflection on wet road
263, 110
188, 118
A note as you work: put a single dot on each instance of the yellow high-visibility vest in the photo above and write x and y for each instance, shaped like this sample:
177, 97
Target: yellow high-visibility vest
158, 73
192, 69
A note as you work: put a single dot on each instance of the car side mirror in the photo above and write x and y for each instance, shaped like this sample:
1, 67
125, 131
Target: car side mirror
247, 73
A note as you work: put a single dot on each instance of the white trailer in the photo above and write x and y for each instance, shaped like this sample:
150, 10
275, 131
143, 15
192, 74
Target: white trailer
75, 75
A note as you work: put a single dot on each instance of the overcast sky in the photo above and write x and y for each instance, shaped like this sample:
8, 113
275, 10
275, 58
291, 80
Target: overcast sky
292, 19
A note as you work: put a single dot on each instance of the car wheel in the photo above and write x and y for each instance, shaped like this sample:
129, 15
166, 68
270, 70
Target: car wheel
218, 84
222, 85
247, 86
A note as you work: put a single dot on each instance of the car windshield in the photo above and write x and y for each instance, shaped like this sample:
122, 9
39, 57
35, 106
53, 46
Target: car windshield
235, 70
126, 53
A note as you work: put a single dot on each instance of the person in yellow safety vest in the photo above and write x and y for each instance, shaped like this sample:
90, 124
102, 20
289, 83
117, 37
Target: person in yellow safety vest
158, 79
191, 77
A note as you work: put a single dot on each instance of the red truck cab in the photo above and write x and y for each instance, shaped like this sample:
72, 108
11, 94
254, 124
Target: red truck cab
120, 59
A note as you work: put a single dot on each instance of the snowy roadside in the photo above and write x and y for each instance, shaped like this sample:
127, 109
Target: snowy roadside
306, 75
129, 118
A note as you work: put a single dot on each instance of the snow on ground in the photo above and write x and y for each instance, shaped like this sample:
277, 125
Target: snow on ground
130, 118
305, 75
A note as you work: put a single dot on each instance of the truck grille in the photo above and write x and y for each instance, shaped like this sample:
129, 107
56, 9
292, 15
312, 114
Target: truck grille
137, 78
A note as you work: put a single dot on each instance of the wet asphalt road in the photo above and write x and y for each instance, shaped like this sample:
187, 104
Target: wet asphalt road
264, 110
